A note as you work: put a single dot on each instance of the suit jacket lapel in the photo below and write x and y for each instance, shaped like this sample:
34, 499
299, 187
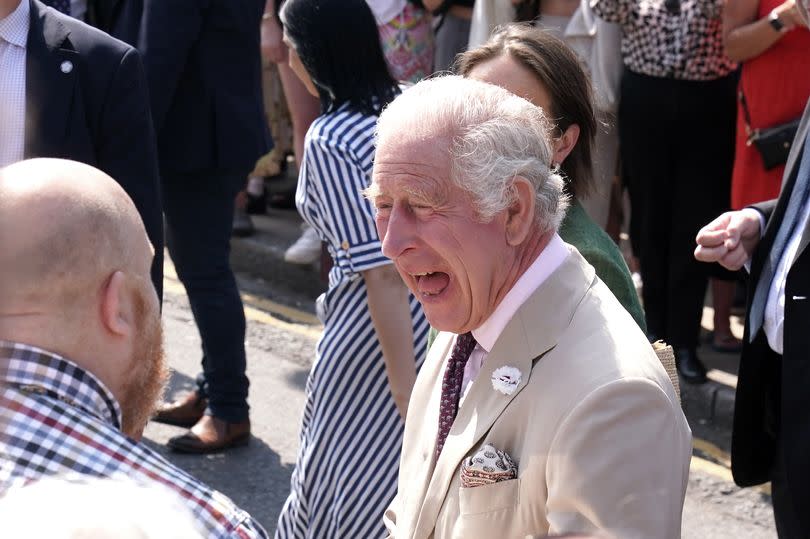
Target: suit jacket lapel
533, 331
51, 66
801, 135
788, 182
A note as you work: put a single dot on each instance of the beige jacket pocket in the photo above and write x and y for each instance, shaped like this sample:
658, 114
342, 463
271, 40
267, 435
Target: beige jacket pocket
486, 498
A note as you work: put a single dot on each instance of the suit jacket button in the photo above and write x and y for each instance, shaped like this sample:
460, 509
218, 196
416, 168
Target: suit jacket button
66, 67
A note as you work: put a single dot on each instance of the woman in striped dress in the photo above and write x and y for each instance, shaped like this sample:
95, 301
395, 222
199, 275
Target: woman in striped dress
374, 330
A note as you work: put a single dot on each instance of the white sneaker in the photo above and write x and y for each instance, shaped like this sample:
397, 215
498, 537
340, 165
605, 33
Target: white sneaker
306, 249
636, 276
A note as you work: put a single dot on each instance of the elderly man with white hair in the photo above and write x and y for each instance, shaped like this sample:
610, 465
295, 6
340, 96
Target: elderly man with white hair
541, 407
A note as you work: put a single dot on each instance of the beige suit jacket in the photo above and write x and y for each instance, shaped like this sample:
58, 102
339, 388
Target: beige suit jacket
595, 428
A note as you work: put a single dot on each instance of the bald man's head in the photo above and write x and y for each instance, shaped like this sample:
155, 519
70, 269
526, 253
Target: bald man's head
74, 278
64, 227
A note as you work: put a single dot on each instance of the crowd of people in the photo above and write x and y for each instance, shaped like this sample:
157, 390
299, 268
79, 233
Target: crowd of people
462, 166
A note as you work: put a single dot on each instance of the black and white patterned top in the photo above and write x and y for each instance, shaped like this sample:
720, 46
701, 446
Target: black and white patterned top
679, 39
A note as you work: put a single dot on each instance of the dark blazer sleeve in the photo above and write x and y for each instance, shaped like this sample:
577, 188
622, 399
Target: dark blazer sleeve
169, 29
765, 208
126, 149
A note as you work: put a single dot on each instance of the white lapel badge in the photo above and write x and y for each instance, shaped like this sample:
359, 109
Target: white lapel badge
506, 379
66, 67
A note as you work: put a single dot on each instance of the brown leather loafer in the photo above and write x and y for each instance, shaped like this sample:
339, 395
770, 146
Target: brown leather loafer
211, 434
184, 412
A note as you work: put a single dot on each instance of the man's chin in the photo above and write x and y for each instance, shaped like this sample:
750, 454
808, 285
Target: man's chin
439, 320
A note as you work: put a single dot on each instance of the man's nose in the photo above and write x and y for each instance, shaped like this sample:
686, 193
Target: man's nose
398, 233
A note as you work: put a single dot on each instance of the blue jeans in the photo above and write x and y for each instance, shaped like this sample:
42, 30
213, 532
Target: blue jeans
199, 215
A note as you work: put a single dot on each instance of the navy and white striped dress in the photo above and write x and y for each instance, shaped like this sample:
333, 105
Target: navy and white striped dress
351, 433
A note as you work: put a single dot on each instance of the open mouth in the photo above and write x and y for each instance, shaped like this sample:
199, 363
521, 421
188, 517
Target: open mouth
431, 283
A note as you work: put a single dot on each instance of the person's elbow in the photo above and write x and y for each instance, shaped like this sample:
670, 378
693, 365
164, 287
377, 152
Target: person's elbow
734, 48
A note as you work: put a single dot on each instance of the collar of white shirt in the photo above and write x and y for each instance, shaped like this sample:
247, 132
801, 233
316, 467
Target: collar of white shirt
14, 28
544, 265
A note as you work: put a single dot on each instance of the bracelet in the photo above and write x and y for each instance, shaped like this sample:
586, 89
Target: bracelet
269, 16
775, 22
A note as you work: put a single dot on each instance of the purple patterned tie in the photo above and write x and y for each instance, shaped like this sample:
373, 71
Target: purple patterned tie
451, 386
59, 5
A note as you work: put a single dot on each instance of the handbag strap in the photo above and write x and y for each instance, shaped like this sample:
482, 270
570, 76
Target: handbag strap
746, 114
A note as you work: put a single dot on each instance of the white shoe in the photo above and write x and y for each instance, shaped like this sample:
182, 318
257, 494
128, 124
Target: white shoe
306, 249
636, 276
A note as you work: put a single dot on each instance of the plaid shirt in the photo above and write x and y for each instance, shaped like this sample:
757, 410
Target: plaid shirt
56, 418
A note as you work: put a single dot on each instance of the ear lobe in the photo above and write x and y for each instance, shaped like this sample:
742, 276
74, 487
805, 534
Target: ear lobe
520, 216
116, 306
565, 144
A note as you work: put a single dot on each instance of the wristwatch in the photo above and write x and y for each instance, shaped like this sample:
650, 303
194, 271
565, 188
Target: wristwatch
775, 22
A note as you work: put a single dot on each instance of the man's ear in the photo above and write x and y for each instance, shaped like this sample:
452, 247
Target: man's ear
117, 309
520, 218
566, 143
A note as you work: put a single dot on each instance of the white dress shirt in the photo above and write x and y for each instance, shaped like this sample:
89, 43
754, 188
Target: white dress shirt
13, 39
774, 316
485, 335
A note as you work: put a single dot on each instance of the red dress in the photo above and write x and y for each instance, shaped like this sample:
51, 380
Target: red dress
777, 86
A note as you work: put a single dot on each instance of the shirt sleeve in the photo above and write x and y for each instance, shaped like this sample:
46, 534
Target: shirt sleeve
348, 215
754, 211
616, 11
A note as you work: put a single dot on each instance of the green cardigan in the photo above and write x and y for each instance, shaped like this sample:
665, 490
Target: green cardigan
601, 252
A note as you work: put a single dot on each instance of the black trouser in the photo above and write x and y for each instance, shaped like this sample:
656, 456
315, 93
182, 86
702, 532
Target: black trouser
677, 144
785, 511
199, 215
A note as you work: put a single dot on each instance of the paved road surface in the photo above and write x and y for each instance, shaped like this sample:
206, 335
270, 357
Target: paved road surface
279, 354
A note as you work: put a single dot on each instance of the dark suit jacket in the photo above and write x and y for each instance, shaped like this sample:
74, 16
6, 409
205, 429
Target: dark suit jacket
204, 69
773, 395
96, 113
119, 18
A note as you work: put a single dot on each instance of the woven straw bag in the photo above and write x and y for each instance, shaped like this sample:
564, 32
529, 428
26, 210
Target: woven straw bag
667, 358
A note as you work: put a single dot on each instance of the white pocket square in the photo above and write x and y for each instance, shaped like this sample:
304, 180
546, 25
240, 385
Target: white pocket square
487, 466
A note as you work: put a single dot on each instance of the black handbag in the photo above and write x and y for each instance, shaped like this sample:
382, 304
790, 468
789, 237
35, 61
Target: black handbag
772, 143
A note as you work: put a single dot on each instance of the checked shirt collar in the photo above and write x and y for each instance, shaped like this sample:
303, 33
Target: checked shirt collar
14, 28
80, 435
34, 370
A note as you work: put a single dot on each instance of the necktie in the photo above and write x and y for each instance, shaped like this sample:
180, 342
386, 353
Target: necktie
451, 386
59, 5
798, 197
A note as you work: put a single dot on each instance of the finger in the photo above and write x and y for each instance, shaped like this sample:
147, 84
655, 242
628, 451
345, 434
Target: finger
711, 238
734, 260
710, 254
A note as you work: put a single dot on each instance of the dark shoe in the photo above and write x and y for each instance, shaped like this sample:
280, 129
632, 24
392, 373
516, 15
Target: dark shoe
284, 200
184, 412
689, 366
725, 344
256, 204
211, 434
242, 224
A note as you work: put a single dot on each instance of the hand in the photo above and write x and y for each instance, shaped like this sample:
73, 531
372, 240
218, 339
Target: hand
730, 239
789, 15
273, 48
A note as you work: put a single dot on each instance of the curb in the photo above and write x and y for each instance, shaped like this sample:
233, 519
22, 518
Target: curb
711, 402
261, 255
